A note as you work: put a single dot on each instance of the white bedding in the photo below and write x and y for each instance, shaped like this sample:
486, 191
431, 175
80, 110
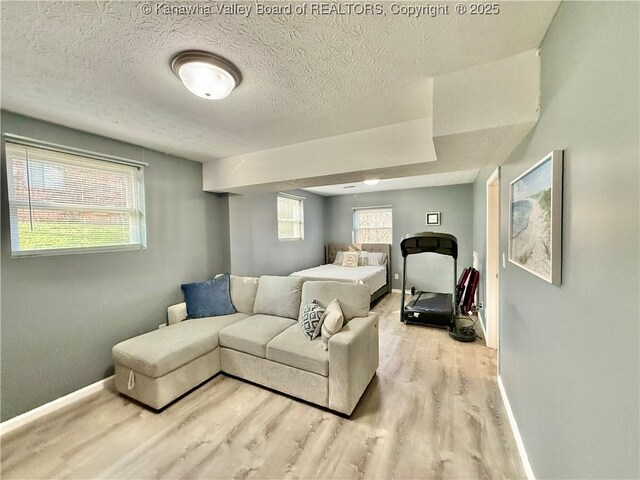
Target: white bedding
373, 277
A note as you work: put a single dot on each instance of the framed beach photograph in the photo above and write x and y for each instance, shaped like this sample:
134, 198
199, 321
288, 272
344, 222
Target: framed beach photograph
535, 219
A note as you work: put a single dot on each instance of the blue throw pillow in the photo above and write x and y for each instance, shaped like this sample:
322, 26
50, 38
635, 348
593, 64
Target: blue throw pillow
208, 299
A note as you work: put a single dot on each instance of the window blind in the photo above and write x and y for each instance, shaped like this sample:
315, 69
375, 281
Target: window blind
373, 225
290, 217
63, 203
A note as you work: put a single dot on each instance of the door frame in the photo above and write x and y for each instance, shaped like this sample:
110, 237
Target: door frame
492, 262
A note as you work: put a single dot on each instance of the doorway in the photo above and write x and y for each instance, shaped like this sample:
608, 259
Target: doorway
492, 297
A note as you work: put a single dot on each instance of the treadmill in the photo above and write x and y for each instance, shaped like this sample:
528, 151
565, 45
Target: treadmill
429, 308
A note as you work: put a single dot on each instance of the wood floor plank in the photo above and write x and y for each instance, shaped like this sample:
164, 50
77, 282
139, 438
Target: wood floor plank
433, 410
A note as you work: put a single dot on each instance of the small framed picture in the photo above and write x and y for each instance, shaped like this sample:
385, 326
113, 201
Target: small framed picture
433, 218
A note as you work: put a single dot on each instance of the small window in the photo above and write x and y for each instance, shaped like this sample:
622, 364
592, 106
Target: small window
290, 217
373, 225
62, 203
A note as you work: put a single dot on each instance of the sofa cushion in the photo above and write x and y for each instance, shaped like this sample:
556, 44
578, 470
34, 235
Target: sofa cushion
243, 292
279, 296
208, 299
161, 351
354, 299
294, 349
252, 334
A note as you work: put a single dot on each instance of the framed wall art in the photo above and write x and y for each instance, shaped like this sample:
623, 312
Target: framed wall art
535, 219
433, 218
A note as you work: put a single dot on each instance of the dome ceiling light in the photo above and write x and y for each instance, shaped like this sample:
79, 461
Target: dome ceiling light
371, 182
206, 75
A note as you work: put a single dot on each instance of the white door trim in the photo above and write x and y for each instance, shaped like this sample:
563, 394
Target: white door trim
492, 262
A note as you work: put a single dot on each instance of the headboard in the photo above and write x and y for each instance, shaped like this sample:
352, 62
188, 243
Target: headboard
332, 249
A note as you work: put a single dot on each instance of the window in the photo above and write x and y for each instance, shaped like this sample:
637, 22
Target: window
372, 225
290, 217
61, 201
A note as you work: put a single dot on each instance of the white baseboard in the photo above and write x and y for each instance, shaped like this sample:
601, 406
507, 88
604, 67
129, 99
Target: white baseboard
39, 412
516, 432
398, 290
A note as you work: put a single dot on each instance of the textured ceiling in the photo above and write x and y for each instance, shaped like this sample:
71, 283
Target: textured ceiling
418, 181
103, 67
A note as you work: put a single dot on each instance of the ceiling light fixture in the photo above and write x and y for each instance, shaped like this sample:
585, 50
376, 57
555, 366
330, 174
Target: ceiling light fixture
372, 182
206, 75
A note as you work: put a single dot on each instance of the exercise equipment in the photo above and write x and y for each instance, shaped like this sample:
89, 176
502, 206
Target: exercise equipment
466, 290
432, 308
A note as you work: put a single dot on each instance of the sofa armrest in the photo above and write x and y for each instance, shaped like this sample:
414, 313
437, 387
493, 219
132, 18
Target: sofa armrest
177, 313
353, 360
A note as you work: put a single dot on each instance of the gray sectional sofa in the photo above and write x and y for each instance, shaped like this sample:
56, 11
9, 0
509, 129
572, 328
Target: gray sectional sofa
261, 343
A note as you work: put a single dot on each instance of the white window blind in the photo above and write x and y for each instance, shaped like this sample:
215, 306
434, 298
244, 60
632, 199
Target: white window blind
290, 217
373, 225
62, 203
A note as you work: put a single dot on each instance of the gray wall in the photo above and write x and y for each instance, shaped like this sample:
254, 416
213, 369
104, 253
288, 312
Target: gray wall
61, 315
569, 353
253, 232
429, 272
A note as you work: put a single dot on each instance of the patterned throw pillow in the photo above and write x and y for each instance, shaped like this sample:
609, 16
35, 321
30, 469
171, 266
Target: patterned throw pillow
332, 323
311, 319
350, 259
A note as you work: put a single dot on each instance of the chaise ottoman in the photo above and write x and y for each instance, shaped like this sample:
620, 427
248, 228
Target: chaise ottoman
160, 366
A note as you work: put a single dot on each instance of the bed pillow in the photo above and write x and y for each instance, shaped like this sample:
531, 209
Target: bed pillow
350, 259
332, 323
311, 318
208, 299
376, 259
372, 259
339, 258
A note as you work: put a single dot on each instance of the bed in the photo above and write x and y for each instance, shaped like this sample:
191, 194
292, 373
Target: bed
376, 278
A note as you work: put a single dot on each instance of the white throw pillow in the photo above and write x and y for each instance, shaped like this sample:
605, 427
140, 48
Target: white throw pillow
339, 258
311, 319
332, 323
350, 259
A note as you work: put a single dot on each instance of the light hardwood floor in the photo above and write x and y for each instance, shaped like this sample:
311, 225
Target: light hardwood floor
432, 411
